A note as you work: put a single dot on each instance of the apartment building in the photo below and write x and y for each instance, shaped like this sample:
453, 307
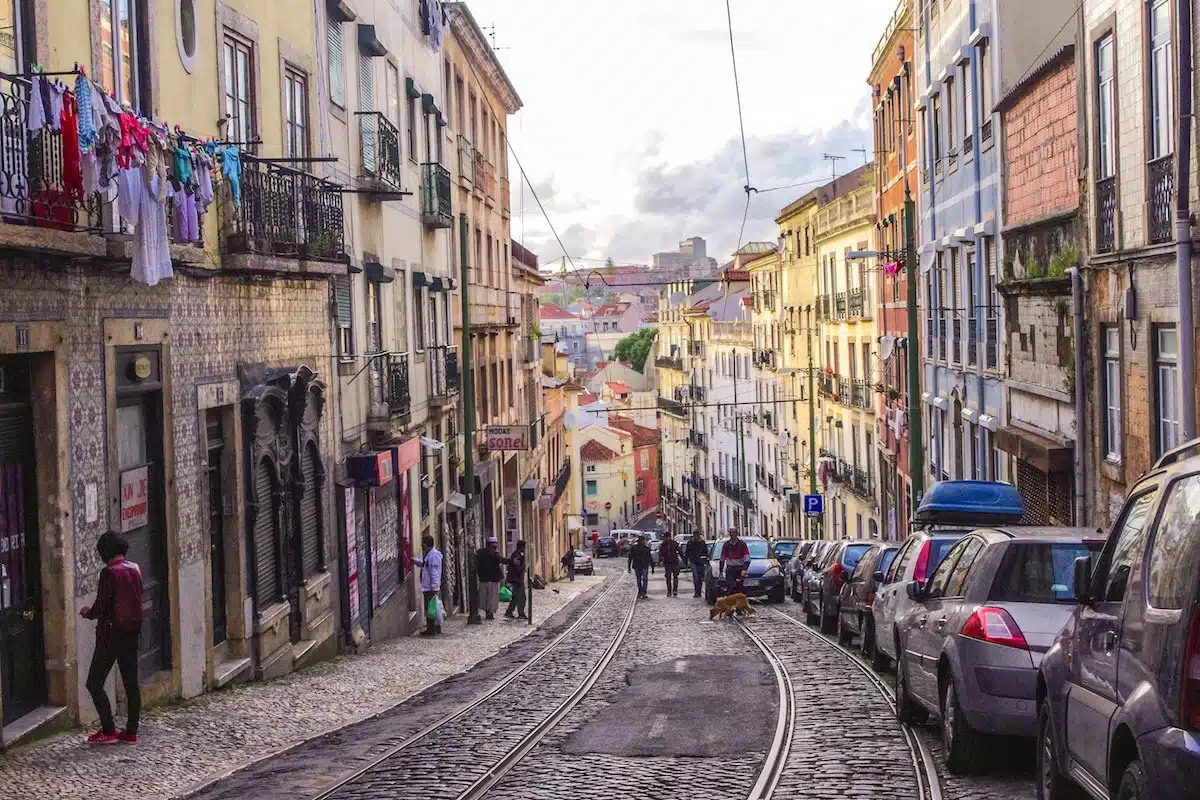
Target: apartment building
770, 387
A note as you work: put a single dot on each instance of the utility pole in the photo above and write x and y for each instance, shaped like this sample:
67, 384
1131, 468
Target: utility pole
916, 461
812, 410
471, 513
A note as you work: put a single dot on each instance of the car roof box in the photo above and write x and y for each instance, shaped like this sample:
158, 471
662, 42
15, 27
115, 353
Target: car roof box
971, 503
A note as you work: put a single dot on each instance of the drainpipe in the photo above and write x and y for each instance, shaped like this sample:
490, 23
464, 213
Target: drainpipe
1080, 411
1183, 231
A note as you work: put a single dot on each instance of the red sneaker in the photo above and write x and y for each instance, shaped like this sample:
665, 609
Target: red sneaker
127, 737
100, 737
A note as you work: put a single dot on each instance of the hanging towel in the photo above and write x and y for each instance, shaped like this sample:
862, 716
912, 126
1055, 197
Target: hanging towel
72, 157
204, 186
87, 116
54, 104
183, 166
36, 119
231, 167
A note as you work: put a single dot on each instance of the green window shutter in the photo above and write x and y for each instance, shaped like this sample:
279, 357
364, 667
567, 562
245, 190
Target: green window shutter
341, 301
337, 82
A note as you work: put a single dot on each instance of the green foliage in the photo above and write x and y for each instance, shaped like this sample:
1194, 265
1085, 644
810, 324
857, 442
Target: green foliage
1034, 269
635, 348
1065, 259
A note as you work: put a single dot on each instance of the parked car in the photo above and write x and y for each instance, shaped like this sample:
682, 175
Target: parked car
763, 578
627, 536
795, 567
824, 594
606, 546
656, 553
1118, 691
584, 564
784, 549
977, 630
949, 511
810, 576
858, 593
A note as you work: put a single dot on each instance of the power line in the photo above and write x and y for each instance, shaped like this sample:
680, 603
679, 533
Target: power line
737, 88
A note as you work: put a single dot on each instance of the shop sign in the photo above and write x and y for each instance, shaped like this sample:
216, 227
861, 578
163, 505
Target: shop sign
371, 469
508, 437
135, 499
351, 555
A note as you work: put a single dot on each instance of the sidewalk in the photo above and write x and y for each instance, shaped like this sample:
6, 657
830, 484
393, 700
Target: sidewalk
182, 745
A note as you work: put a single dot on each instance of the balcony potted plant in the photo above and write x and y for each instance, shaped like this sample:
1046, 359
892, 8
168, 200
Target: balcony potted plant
893, 394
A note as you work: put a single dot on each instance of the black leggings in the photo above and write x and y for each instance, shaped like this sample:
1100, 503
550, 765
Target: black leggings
120, 649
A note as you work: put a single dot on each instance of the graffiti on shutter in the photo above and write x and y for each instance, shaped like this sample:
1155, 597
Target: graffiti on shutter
310, 512
385, 541
265, 538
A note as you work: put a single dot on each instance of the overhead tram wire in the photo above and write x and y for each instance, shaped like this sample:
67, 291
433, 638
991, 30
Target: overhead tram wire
737, 88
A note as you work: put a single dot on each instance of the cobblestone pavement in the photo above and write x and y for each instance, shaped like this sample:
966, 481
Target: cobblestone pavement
185, 745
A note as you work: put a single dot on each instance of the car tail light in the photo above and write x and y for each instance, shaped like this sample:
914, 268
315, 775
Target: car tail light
994, 625
839, 577
922, 570
1189, 700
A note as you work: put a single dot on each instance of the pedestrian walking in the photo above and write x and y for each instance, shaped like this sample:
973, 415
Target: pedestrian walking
595, 544
640, 562
735, 557
487, 567
118, 615
431, 585
696, 555
516, 581
568, 561
669, 554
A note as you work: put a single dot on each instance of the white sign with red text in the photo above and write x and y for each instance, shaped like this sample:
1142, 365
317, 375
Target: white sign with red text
135, 499
508, 437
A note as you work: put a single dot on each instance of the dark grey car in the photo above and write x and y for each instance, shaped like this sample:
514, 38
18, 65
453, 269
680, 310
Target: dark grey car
1119, 691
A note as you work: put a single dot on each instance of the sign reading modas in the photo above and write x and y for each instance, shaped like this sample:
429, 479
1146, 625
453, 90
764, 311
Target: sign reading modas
508, 437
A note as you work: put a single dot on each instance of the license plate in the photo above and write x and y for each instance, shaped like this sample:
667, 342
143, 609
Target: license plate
750, 582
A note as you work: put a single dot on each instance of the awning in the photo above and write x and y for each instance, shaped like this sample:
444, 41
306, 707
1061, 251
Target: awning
530, 489
1048, 455
432, 444
457, 501
377, 272
419, 278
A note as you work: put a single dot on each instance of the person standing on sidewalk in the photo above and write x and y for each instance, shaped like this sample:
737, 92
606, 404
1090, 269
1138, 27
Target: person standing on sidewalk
696, 555
516, 581
568, 561
640, 562
669, 554
487, 567
118, 615
431, 583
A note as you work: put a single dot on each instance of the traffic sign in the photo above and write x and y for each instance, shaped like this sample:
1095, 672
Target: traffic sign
814, 505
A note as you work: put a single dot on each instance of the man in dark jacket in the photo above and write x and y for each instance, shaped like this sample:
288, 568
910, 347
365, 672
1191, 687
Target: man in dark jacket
696, 555
118, 615
487, 567
516, 581
640, 561
669, 554
568, 561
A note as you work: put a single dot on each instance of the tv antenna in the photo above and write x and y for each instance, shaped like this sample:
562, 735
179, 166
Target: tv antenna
862, 150
491, 32
832, 162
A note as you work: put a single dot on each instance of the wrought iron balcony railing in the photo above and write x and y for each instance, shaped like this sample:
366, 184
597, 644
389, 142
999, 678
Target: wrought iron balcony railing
942, 337
285, 212
985, 131
33, 187
930, 336
698, 440
399, 394
843, 391
562, 481
856, 303
435, 196
862, 484
673, 407
826, 385
840, 303
697, 393
443, 372
1106, 214
968, 147
668, 362
1160, 197
379, 146
860, 394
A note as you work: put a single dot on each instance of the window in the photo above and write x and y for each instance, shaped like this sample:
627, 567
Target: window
590, 468
1166, 388
1106, 159
936, 131
1175, 551
295, 114
968, 102
412, 127
951, 120
1123, 548
941, 575
460, 105
239, 95
1111, 336
640, 486
337, 80
645, 459
419, 326
957, 585
393, 88
985, 89
1161, 103
592, 490
185, 33
14, 47
344, 316
120, 52
433, 319
1036, 572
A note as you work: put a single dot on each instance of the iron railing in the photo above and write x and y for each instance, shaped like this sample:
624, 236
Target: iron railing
669, 363
951, 159
399, 394
673, 407
698, 440
942, 337
443, 372
840, 303
562, 481
823, 307
985, 131
1106, 214
972, 341
862, 484
696, 392
968, 145
435, 196
379, 146
856, 303
930, 335
1160, 197
826, 385
860, 394
843, 390
466, 161
34, 186
285, 212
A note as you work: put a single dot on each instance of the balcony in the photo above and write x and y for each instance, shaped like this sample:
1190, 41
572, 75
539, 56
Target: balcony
842, 394
698, 440
562, 481
284, 213
767, 419
826, 384
985, 131
505, 198
399, 395
732, 490
1106, 215
443, 374
1160, 198
435, 196
972, 341
666, 362
942, 338
673, 407
466, 163
696, 393
839, 301
379, 148
856, 304
862, 484
478, 173
968, 147
860, 395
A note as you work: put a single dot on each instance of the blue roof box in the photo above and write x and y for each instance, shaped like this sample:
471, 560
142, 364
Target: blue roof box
971, 503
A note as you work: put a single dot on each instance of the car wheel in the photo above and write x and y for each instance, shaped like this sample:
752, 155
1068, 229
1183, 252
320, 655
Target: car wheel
829, 624
959, 739
1052, 784
809, 616
1133, 783
879, 660
907, 709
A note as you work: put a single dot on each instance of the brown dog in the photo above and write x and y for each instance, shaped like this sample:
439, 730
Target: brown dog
730, 605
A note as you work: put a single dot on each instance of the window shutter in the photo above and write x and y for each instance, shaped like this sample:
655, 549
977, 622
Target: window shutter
265, 538
337, 83
310, 512
366, 104
341, 300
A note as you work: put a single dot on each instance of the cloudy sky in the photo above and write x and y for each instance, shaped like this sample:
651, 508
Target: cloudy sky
630, 131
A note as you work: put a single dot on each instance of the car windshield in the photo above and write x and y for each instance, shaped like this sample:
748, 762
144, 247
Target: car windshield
605, 540
852, 554
938, 548
1039, 572
785, 549
758, 548
580, 554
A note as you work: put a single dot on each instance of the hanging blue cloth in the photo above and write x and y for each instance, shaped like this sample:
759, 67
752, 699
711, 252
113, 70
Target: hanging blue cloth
435, 24
231, 166
86, 120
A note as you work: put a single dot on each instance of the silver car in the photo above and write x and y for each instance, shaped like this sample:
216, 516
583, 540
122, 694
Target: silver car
978, 628
584, 564
919, 556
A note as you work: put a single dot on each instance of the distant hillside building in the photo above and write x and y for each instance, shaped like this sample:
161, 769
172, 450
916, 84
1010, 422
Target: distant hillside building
691, 260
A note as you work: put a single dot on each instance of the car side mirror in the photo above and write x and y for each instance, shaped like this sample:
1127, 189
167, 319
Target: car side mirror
1083, 580
914, 591
877, 577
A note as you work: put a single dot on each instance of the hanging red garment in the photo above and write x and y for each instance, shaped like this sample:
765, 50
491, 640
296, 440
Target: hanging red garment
72, 156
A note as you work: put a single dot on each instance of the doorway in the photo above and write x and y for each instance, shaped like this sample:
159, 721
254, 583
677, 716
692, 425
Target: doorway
215, 440
22, 678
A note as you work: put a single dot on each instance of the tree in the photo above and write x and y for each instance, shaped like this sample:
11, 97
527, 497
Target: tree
635, 348
608, 262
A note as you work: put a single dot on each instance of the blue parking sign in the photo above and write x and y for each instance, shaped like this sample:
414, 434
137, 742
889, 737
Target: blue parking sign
814, 505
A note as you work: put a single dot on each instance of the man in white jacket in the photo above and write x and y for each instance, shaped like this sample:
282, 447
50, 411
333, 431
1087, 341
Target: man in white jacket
431, 583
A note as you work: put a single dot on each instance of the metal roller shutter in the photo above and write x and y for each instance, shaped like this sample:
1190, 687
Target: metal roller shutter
266, 559
310, 514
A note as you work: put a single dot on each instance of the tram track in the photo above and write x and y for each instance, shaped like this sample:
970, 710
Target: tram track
785, 723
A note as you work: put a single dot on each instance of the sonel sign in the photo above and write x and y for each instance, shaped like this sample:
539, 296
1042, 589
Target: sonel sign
508, 437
